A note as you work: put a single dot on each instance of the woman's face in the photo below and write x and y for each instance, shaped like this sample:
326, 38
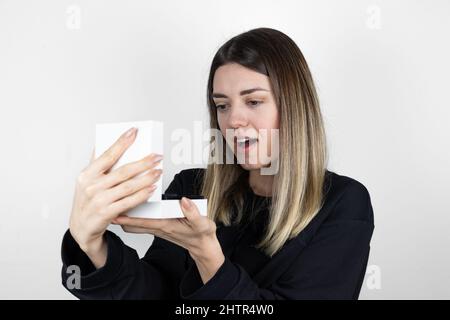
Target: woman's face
246, 108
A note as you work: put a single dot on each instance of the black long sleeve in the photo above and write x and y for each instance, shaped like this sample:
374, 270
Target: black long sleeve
331, 265
327, 260
125, 275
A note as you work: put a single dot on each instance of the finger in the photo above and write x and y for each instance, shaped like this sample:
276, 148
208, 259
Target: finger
127, 203
114, 152
189, 209
92, 156
131, 186
134, 229
129, 171
161, 234
171, 239
152, 224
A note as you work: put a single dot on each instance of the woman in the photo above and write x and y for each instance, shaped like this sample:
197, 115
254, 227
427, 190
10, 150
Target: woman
299, 232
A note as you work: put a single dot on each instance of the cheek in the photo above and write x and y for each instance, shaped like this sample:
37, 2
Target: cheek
222, 126
268, 113
219, 120
268, 117
275, 118
223, 131
270, 136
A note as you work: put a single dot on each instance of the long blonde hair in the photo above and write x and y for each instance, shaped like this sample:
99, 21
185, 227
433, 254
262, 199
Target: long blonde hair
297, 193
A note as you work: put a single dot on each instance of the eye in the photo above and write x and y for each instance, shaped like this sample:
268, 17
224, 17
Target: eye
254, 103
221, 107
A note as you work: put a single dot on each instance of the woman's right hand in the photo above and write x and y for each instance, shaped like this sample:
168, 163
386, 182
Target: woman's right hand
100, 196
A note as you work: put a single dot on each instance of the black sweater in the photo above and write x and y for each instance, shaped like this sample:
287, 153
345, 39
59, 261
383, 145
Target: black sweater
327, 260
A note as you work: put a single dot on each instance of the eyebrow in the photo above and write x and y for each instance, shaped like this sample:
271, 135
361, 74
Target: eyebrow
242, 93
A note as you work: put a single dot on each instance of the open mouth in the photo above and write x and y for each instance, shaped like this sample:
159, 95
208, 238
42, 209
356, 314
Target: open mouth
245, 143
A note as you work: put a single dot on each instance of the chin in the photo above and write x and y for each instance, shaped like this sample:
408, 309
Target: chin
249, 167
253, 166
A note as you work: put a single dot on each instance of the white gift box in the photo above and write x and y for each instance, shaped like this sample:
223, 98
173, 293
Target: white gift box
149, 140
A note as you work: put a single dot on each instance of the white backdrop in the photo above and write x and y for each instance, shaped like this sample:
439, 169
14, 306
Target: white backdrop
382, 72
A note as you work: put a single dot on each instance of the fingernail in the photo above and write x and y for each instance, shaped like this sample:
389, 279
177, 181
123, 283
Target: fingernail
186, 202
130, 132
157, 158
152, 188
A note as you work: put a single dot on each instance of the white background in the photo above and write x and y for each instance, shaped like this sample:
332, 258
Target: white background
382, 72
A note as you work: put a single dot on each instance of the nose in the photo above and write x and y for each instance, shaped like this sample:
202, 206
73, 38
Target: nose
237, 117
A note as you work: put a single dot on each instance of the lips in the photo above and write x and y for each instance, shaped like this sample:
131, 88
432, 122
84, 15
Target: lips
243, 138
244, 142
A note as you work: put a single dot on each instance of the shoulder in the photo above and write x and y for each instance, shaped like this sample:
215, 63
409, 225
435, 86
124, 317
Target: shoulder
347, 198
187, 181
193, 173
346, 209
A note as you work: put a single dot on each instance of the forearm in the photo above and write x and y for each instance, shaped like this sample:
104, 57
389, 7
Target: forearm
124, 275
209, 261
97, 252
207, 269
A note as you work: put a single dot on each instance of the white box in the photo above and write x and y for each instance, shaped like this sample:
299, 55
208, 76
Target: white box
165, 209
149, 139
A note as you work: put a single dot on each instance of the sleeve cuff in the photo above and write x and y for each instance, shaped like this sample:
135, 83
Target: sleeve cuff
217, 288
91, 277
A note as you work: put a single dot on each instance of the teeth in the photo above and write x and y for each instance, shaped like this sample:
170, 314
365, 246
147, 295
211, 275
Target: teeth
242, 141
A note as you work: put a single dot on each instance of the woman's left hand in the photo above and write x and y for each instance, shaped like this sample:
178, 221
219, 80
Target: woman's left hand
194, 232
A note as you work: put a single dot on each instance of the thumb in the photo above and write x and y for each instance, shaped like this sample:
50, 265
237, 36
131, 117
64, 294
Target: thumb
92, 156
189, 209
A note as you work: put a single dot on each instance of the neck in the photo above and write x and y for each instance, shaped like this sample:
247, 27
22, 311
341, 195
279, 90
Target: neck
260, 184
